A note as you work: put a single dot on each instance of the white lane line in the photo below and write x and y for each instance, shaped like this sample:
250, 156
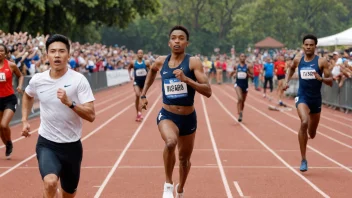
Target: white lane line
238, 188
123, 153
217, 156
270, 150
291, 130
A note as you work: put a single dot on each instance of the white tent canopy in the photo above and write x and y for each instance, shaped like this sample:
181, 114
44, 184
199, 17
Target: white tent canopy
342, 38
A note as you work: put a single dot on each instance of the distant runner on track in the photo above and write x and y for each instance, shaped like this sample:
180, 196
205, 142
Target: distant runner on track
140, 70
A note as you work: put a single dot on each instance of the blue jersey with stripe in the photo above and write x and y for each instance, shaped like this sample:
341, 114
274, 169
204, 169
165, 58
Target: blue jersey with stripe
140, 71
242, 76
174, 91
309, 86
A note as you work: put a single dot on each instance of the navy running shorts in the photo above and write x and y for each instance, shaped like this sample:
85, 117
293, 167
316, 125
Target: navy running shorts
62, 159
138, 83
8, 102
243, 88
186, 124
314, 105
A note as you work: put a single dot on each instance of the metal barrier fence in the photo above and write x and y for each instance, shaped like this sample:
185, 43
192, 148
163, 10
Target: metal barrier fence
333, 96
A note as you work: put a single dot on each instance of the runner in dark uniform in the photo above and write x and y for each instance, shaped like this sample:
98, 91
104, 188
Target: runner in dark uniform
182, 76
243, 71
140, 69
308, 101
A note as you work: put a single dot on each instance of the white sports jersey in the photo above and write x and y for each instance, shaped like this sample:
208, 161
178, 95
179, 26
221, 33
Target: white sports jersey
59, 123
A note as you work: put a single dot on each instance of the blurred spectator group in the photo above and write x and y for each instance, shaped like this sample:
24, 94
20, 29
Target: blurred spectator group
29, 54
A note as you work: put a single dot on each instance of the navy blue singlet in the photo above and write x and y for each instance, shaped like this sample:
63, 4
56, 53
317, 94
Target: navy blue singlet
174, 91
308, 85
140, 71
242, 76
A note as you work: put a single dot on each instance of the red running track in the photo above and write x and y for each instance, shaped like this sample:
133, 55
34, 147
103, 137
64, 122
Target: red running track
257, 158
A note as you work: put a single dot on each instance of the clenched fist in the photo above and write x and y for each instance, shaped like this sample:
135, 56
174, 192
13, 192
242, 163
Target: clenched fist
180, 75
61, 94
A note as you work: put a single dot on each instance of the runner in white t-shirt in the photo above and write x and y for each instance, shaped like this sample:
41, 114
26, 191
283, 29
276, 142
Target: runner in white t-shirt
65, 97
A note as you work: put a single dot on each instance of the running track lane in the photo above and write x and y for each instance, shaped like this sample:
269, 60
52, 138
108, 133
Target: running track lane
329, 142
142, 166
24, 148
101, 98
326, 173
227, 140
31, 183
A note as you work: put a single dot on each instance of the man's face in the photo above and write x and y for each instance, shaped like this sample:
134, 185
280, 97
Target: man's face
58, 56
178, 41
309, 46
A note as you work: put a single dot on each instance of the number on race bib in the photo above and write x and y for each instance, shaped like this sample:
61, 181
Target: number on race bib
307, 74
241, 75
2, 77
174, 88
141, 72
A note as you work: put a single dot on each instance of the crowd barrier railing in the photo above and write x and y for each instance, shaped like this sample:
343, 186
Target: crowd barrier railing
97, 80
333, 96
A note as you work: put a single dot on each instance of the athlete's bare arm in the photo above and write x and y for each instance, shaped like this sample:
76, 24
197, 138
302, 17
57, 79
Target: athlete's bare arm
202, 85
234, 71
250, 70
290, 71
130, 66
85, 111
19, 75
152, 74
150, 79
27, 104
147, 63
324, 66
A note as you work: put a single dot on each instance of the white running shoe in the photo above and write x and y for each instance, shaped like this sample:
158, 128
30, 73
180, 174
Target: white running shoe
179, 195
168, 190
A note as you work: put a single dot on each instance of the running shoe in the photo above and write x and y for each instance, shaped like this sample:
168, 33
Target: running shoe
240, 117
8, 151
168, 190
179, 195
304, 166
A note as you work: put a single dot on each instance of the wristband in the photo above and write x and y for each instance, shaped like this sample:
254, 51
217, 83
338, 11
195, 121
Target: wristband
142, 97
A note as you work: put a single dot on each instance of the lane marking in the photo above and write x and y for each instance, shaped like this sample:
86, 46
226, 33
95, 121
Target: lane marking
238, 188
123, 153
36, 130
208, 166
87, 136
319, 132
270, 150
291, 130
216, 152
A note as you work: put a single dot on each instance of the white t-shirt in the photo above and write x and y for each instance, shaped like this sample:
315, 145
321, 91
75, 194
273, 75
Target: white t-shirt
59, 123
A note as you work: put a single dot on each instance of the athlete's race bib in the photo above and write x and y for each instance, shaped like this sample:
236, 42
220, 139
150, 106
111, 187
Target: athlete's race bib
307, 74
2, 77
141, 72
174, 88
241, 75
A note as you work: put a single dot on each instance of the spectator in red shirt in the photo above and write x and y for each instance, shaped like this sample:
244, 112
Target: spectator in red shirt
257, 67
280, 71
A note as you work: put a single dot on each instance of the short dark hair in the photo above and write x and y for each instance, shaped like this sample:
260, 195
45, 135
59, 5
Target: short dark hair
5, 48
310, 36
57, 38
180, 27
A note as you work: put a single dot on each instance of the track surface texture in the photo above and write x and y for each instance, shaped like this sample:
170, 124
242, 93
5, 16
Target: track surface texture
259, 157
